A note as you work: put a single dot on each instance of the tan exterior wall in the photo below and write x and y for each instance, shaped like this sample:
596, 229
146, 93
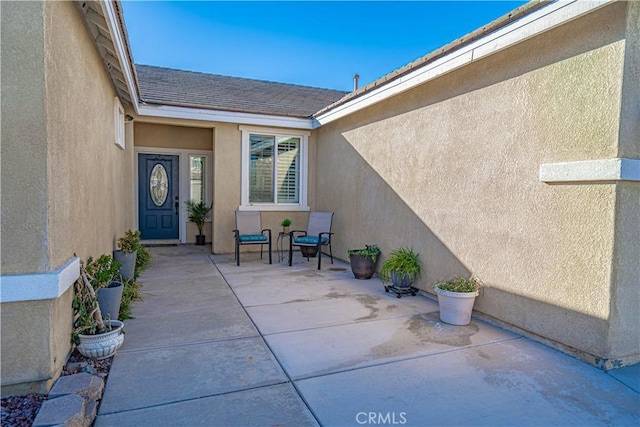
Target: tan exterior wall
172, 136
450, 168
66, 187
24, 148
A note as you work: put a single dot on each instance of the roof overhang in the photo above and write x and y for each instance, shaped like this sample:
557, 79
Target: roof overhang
107, 29
460, 54
175, 112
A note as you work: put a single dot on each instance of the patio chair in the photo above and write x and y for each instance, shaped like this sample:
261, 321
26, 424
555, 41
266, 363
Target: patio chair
249, 231
317, 235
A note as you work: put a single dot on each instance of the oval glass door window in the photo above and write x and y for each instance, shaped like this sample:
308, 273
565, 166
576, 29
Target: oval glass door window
159, 185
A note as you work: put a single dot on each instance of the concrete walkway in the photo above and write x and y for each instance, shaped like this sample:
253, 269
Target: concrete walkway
214, 344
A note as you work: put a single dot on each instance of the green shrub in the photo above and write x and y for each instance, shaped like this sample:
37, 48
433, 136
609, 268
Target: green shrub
401, 261
460, 284
372, 251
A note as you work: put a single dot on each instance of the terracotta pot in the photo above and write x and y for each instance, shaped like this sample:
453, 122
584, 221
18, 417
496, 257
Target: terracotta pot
362, 266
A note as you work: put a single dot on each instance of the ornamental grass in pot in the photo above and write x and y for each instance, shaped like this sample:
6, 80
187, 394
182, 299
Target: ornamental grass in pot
126, 253
402, 268
456, 298
364, 261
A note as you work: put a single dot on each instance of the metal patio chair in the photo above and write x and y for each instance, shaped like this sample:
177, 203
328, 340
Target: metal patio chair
249, 231
317, 235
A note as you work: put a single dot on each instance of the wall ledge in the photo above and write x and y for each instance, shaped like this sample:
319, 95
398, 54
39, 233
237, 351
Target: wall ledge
40, 286
591, 171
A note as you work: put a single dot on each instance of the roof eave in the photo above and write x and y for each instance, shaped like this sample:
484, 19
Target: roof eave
504, 32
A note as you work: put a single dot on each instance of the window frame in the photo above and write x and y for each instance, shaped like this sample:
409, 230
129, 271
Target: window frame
302, 205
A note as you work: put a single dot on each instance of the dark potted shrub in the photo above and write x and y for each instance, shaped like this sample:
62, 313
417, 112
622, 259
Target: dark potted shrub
456, 297
126, 253
402, 268
364, 261
103, 274
95, 337
198, 213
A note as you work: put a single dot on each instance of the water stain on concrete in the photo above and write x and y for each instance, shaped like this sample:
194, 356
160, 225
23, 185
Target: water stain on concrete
369, 302
421, 330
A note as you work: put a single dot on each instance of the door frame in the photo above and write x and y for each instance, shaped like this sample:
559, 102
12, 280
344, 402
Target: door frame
183, 181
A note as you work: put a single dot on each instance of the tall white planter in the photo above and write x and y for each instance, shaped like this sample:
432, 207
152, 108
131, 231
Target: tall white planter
456, 307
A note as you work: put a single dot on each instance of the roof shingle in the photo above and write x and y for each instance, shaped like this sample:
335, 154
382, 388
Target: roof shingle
168, 86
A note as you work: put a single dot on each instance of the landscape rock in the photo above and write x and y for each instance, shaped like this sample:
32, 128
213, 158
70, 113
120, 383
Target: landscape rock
83, 384
68, 411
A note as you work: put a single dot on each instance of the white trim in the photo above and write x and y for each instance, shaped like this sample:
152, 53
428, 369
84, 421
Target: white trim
304, 170
183, 177
166, 111
603, 170
116, 36
537, 22
118, 114
39, 286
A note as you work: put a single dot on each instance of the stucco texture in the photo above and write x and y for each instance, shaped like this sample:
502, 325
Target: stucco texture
66, 186
450, 168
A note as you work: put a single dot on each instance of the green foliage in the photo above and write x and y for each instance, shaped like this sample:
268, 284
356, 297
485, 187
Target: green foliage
129, 242
143, 260
372, 251
87, 318
198, 213
132, 292
102, 271
401, 261
460, 284
286, 222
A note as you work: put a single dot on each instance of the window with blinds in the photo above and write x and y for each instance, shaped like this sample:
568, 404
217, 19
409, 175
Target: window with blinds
274, 169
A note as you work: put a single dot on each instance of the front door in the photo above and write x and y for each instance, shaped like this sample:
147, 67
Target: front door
158, 196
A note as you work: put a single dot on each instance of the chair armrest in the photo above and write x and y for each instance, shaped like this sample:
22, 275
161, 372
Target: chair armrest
269, 230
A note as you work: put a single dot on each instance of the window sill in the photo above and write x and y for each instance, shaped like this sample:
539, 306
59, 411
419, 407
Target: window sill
274, 208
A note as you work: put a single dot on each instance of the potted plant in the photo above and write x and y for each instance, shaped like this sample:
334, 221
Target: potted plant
198, 213
401, 268
456, 297
286, 223
103, 274
364, 261
126, 253
95, 337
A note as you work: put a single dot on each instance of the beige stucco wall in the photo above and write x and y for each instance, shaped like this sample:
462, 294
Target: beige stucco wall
450, 168
172, 136
66, 186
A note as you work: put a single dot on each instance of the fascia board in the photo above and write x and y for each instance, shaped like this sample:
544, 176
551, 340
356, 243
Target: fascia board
116, 34
538, 22
224, 116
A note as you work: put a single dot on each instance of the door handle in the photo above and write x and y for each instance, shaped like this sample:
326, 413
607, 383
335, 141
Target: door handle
177, 205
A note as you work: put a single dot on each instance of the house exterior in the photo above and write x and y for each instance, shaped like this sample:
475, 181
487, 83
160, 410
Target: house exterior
512, 154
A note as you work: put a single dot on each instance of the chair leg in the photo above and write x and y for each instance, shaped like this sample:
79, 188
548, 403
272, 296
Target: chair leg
290, 253
237, 252
270, 256
261, 246
330, 252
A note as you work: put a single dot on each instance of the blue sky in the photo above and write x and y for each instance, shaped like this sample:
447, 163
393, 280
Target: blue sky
319, 44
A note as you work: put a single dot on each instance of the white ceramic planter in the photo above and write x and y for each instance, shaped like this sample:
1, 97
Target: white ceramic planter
103, 345
456, 307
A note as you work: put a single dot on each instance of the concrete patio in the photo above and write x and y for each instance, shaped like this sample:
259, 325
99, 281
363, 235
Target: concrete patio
214, 344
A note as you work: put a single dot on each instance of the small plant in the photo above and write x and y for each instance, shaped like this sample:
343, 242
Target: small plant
401, 261
371, 251
143, 260
460, 284
286, 222
132, 292
102, 271
129, 242
87, 318
198, 213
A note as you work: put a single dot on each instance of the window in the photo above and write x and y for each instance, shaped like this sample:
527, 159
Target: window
274, 170
197, 176
119, 122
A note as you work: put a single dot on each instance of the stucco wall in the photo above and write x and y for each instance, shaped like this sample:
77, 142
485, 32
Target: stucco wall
172, 136
66, 186
24, 148
450, 168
